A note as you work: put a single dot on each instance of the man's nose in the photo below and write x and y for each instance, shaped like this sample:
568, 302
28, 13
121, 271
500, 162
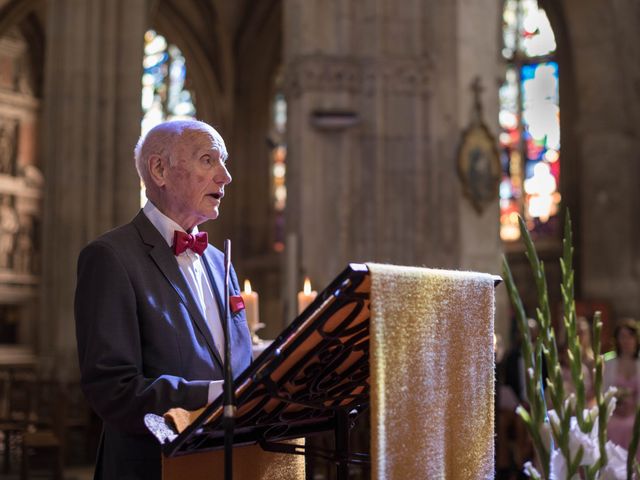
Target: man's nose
222, 176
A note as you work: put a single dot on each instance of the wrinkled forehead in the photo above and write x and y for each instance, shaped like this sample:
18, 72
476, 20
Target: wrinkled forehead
201, 139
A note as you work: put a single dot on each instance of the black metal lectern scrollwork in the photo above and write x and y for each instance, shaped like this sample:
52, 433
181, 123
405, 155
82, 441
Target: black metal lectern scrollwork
313, 378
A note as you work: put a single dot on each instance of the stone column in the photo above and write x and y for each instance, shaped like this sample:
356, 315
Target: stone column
90, 125
606, 57
477, 37
379, 182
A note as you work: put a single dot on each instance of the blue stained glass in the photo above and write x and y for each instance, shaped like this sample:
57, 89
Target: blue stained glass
529, 118
545, 78
506, 189
529, 168
540, 108
153, 61
526, 30
504, 161
528, 72
163, 83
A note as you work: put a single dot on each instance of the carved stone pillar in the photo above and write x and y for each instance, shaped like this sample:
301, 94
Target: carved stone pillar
378, 96
608, 134
90, 124
477, 40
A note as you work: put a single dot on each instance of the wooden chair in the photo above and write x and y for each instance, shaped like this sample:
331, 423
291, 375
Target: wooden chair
16, 393
42, 442
81, 430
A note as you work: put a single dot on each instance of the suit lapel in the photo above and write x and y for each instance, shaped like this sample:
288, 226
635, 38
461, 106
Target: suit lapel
166, 262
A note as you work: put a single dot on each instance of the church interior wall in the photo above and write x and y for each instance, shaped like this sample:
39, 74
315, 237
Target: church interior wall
391, 68
378, 184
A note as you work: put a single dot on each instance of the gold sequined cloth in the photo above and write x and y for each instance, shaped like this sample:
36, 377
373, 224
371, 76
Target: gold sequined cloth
432, 374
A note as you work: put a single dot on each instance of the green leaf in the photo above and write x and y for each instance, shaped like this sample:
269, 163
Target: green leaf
633, 446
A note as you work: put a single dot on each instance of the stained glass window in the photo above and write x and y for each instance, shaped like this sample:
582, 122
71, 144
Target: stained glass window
165, 92
279, 166
529, 122
165, 95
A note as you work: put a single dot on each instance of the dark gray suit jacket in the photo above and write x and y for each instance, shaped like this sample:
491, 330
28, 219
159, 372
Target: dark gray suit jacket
143, 344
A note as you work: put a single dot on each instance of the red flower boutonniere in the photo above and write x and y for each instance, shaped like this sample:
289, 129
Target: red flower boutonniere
236, 303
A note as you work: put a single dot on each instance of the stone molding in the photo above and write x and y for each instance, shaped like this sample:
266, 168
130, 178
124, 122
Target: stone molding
18, 105
12, 46
358, 75
21, 186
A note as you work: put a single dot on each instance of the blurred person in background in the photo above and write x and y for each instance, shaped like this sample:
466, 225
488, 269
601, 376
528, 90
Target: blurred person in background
623, 372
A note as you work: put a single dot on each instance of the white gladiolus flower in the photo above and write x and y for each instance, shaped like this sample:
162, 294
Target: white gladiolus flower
577, 438
558, 465
530, 471
570, 402
591, 414
567, 447
611, 405
616, 468
554, 419
588, 442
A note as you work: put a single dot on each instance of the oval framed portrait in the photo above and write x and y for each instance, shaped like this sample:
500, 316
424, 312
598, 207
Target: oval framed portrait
479, 166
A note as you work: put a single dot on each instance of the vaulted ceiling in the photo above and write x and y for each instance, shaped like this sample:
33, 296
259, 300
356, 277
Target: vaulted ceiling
217, 38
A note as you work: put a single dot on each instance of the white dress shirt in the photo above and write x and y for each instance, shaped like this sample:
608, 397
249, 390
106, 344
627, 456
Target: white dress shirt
193, 271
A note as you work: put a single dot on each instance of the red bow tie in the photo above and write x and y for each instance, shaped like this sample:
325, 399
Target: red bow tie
183, 240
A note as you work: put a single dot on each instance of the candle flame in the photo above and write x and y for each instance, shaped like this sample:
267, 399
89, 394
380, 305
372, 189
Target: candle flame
307, 286
247, 286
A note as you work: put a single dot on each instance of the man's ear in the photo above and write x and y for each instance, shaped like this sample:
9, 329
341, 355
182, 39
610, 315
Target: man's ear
156, 169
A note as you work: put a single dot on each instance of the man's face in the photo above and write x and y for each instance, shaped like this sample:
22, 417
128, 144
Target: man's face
195, 179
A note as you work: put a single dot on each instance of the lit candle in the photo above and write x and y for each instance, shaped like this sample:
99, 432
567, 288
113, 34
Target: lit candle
306, 296
250, 300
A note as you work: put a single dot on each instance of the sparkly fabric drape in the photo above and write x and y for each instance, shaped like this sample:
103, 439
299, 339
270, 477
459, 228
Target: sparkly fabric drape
432, 374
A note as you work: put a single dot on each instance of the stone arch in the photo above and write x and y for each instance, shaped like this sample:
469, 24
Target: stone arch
570, 177
25, 19
14, 12
258, 58
195, 28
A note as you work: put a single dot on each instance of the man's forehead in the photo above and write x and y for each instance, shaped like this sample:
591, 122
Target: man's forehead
203, 139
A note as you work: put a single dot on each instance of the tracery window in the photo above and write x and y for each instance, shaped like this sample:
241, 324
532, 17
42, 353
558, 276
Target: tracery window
165, 93
529, 122
278, 165
165, 90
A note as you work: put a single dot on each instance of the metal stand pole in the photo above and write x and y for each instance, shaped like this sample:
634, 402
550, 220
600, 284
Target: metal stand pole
342, 444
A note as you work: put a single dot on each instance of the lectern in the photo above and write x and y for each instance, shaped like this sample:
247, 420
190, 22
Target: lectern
313, 378
413, 344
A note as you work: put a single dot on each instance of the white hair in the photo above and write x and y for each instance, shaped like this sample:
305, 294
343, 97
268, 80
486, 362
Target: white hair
162, 138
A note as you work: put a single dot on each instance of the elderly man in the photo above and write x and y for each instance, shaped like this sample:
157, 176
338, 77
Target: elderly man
149, 301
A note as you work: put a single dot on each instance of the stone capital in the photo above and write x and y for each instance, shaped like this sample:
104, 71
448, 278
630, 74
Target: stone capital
358, 75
